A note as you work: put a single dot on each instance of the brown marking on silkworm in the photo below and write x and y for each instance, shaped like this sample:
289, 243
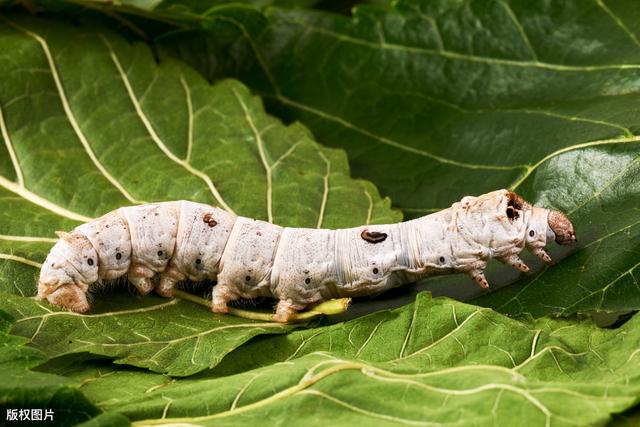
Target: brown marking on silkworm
514, 205
208, 219
515, 200
373, 236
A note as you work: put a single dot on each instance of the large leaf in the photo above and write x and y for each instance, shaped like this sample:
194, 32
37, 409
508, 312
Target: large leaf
494, 92
175, 337
434, 100
438, 361
90, 123
24, 389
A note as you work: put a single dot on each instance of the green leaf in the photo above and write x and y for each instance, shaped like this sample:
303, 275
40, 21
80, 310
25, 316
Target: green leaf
91, 123
434, 100
172, 336
438, 361
109, 419
434, 362
22, 388
629, 418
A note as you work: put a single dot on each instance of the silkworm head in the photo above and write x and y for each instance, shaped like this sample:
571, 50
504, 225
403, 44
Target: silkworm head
69, 268
562, 227
72, 297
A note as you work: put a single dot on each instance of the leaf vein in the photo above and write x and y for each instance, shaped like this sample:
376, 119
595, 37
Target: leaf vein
69, 112
12, 154
154, 136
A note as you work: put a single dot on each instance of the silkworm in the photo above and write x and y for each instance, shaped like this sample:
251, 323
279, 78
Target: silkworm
157, 245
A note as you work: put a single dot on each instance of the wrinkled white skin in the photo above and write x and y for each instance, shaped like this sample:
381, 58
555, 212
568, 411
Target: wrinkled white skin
174, 241
153, 230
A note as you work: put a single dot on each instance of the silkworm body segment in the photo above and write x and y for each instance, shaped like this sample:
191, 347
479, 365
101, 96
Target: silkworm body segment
157, 245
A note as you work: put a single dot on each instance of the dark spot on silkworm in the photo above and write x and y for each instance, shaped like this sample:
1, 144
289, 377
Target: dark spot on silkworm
118, 256
373, 236
441, 259
52, 264
514, 205
375, 271
248, 278
156, 214
198, 261
306, 272
515, 200
90, 261
208, 219
258, 233
532, 233
160, 253
307, 280
106, 226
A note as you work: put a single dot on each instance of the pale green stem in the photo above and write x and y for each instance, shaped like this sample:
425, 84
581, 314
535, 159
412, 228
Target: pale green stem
326, 308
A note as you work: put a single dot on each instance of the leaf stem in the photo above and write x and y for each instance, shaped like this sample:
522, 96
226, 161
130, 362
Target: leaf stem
326, 308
